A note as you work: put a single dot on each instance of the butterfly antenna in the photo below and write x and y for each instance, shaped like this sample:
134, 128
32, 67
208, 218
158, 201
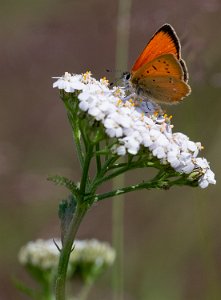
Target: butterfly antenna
119, 78
113, 71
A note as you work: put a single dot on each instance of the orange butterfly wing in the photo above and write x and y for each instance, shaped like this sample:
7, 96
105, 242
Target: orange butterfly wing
163, 65
164, 41
166, 90
159, 72
162, 79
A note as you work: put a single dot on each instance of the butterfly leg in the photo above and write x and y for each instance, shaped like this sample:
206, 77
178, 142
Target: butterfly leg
130, 96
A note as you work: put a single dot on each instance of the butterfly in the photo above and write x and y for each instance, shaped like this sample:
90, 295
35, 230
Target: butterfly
159, 73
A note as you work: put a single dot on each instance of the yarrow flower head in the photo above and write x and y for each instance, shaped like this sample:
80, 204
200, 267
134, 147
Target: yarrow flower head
137, 126
88, 256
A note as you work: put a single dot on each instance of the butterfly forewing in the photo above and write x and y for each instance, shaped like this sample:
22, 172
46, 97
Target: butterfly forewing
164, 41
164, 65
185, 72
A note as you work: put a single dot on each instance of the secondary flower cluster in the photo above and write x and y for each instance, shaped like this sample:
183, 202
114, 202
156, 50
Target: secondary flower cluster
44, 255
137, 124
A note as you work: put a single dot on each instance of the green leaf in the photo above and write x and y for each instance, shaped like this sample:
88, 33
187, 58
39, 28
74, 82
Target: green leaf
66, 182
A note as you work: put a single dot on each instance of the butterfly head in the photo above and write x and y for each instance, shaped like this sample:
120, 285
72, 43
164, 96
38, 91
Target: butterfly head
125, 79
126, 76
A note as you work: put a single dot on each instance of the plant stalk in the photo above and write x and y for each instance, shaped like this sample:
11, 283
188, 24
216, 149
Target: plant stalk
122, 51
66, 250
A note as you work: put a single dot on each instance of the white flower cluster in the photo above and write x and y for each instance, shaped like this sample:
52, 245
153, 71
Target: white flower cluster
93, 251
40, 253
45, 255
136, 124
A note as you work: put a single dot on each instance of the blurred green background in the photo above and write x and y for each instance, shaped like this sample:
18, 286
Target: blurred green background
172, 238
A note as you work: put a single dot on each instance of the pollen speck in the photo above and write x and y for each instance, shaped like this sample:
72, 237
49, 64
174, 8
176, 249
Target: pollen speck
86, 76
119, 102
104, 81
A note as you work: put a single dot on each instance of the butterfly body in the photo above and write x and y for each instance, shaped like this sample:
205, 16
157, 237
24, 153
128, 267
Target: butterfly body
159, 73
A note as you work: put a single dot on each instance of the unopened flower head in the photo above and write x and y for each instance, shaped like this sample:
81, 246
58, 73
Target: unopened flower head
137, 124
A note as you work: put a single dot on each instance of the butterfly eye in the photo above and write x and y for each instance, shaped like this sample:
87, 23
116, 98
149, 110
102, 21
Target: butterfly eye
126, 75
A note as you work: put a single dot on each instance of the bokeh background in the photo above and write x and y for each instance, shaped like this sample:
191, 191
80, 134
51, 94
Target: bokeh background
172, 238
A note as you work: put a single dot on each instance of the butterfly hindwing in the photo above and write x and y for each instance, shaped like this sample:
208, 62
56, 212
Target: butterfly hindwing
164, 89
162, 79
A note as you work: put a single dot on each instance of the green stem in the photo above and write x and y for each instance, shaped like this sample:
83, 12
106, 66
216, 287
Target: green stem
102, 172
163, 183
48, 290
118, 240
77, 136
98, 158
106, 166
85, 177
74, 121
123, 169
106, 146
131, 188
66, 251
145, 161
